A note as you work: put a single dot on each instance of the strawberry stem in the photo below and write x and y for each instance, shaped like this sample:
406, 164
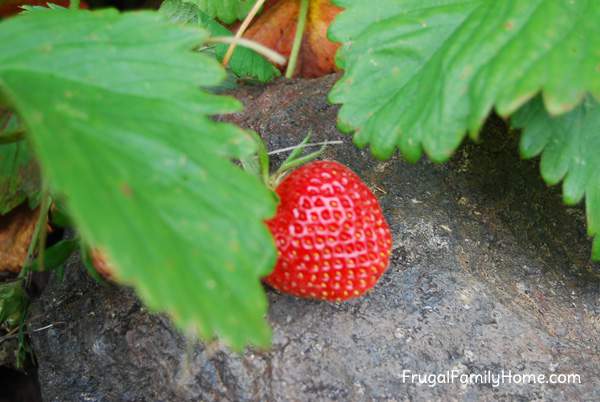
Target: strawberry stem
294, 163
296, 159
298, 149
258, 165
302, 17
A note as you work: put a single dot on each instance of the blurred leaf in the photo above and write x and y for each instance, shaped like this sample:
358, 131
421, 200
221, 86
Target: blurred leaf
86, 259
245, 63
59, 216
570, 149
56, 255
13, 304
227, 11
419, 74
19, 175
116, 119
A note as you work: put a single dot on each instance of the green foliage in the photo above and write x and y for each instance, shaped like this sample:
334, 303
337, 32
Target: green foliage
420, 74
54, 257
227, 11
570, 149
19, 176
113, 111
112, 108
245, 63
13, 302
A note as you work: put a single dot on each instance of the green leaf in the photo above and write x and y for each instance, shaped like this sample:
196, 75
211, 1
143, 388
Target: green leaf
59, 216
227, 11
419, 74
570, 149
55, 256
112, 107
13, 304
19, 175
86, 259
245, 63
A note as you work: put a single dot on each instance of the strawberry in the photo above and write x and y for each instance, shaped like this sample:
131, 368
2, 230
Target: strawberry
332, 238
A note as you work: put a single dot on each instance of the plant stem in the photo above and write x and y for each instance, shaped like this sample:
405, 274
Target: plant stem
242, 29
39, 233
263, 158
257, 47
11, 136
302, 17
22, 351
74, 4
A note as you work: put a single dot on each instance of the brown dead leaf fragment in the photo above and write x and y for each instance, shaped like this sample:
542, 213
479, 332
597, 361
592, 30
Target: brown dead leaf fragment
276, 28
16, 230
102, 264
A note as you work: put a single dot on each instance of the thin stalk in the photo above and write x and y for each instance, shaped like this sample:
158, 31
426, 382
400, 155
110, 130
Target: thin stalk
302, 17
21, 351
74, 4
11, 136
294, 163
39, 234
242, 29
316, 144
263, 158
257, 47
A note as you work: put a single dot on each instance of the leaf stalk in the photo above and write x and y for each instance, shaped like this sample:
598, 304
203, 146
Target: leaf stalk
11, 136
242, 29
302, 17
252, 45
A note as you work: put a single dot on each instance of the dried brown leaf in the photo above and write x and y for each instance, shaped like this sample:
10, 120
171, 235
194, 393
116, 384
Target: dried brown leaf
276, 28
16, 231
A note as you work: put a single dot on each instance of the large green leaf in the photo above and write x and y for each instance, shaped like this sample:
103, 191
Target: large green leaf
112, 107
419, 74
227, 11
570, 148
245, 63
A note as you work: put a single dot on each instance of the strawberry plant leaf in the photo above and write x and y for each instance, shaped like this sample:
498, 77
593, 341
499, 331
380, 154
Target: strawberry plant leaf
569, 145
227, 11
19, 176
112, 106
245, 63
419, 74
13, 302
54, 256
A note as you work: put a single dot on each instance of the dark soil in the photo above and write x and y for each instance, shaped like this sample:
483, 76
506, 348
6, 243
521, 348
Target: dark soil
489, 272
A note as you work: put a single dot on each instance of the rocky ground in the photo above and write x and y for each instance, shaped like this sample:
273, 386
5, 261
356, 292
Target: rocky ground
489, 272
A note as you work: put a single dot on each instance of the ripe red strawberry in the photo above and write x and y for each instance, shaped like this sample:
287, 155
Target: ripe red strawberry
333, 241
